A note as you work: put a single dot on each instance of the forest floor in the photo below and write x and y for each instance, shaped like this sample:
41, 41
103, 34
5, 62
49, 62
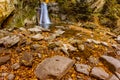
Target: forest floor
84, 46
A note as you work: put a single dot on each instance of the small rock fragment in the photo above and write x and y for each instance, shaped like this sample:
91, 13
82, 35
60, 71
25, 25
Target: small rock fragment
100, 73
15, 66
37, 37
81, 47
35, 29
35, 46
113, 77
59, 32
118, 53
112, 61
118, 39
93, 60
4, 59
26, 59
54, 68
118, 75
11, 77
82, 68
104, 43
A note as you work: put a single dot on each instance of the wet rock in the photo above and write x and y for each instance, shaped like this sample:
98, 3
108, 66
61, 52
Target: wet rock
118, 39
11, 77
113, 77
4, 59
26, 59
55, 68
37, 37
9, 41
83, 68
112, 61
99, 73
15, 66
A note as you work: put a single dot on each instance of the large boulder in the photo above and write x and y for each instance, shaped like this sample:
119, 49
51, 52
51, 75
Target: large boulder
6, 8
55, 68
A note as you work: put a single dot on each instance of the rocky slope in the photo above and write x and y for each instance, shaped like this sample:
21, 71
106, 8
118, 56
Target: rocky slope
66, 52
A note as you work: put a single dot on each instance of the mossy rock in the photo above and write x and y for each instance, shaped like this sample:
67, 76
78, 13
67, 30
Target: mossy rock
6, 8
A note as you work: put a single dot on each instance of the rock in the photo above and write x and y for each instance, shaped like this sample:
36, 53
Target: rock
35, 46
93, 60
118, 53
118, 39
112, 61
92, 40
35, 29
9, 41
37, 37
83, 68
28, 22
1, 78
81, 47
39, 55
55, 68
104, 43
67, 47
22, 29
4, 74
4, 59
15, 66
98, 5
60, 27
26, 59
99, 73
50, 38
77, 58
73, 41
117, 47
59, 32
6, 8
11, 77
113, 77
